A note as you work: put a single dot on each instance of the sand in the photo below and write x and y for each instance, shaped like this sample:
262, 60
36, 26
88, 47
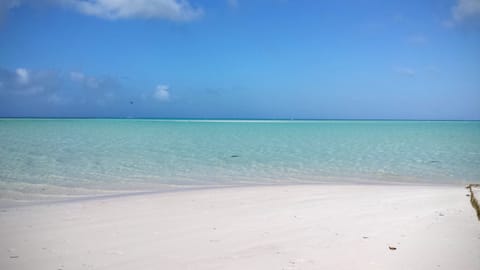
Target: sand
270, 227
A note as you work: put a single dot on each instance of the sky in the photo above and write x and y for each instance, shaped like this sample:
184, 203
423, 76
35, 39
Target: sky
275, 59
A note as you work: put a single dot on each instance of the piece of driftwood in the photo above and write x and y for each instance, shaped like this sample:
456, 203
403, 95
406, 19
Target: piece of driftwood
473, 198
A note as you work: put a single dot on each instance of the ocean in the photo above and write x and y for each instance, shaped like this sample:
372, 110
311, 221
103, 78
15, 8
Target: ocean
146, 154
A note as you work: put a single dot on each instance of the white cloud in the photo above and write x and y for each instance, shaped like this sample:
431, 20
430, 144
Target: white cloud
466, 9
26, 82
21, 81
162, 93
176, 10
22, 75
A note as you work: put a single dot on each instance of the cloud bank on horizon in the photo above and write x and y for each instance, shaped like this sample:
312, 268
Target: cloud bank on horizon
52, 88
240, 59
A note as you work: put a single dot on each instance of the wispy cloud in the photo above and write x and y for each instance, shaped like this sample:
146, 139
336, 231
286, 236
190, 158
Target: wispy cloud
77, 76
464, 11
432, 69
175, 10
101, 90
86, 81
405, 71
232, 3
56, 99
417, 39
6, 5
162, 93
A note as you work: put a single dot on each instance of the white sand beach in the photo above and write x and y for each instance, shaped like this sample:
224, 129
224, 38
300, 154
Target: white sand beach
262, 227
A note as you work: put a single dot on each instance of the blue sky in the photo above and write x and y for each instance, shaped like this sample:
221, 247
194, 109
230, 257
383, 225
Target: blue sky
240, 59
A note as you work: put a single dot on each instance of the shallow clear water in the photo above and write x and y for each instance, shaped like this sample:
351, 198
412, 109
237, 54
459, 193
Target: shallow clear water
128, 153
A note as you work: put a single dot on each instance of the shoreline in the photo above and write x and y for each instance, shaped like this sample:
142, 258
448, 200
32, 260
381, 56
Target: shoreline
79, 194
268, 227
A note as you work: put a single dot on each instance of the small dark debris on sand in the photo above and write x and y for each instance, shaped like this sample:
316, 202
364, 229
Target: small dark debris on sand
13, 257
392, 248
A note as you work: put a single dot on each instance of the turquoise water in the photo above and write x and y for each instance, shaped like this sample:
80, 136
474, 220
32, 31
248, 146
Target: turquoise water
138, 154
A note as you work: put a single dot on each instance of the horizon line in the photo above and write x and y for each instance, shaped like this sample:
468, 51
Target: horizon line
238, 119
